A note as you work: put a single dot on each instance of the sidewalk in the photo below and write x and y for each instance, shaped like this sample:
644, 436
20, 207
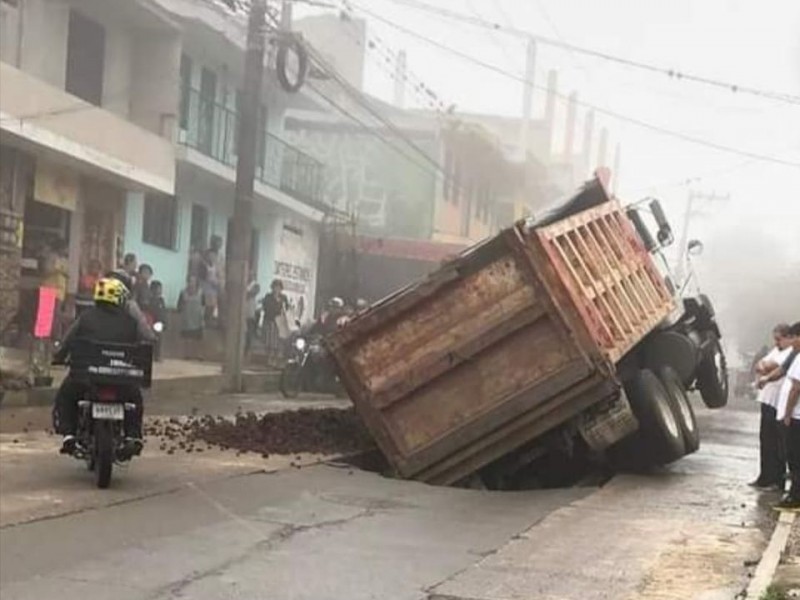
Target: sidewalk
170, 377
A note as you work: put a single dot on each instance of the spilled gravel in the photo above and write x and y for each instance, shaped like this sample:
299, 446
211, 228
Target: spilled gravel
316, 431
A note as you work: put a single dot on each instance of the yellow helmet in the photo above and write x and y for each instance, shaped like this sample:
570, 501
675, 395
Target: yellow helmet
110, 291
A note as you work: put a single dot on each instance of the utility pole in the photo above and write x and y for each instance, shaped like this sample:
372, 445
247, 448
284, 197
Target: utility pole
683, 248
249, 130
527, 98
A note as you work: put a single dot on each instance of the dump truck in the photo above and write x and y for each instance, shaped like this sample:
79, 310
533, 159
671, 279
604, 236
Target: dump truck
562, 331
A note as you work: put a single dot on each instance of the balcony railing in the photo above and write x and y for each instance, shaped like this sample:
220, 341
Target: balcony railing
212, 129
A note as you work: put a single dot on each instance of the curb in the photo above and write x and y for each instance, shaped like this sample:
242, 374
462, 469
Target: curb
765, 571
253, 383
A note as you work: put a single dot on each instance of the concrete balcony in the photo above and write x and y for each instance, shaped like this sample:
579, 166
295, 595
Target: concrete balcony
47, 120
284, 174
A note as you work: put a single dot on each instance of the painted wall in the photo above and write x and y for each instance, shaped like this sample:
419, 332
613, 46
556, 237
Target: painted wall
390, 194
155, 72
44, 40
169, 266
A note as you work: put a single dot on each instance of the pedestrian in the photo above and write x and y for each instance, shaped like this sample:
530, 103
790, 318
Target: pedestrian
86, 283
158, 309
142, 293
191, 308
253, 290
54, 274
212, 278
773, 462
788, 414
275, 304
129, 265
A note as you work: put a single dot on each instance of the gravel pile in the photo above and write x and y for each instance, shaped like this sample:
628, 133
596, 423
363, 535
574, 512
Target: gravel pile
317, 431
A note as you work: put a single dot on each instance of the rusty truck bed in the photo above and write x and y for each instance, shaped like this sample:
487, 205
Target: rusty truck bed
511, 339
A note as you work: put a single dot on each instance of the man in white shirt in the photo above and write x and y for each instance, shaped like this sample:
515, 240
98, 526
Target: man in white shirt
773, 461
788, 415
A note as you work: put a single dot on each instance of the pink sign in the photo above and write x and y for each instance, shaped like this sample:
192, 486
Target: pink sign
46, 312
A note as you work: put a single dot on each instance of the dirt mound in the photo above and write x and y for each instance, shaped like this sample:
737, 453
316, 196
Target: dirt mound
318, 431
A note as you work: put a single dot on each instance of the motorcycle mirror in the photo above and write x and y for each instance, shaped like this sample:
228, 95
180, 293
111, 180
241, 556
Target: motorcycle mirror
158, 327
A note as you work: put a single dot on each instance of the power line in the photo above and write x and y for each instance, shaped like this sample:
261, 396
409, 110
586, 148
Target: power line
672, 73
600, 110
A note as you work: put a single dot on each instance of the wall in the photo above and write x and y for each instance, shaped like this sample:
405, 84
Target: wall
44, 40
94, 137
169, 266
155, 71
390, 194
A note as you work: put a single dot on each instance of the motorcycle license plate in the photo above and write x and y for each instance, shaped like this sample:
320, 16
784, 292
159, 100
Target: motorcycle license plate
113, 412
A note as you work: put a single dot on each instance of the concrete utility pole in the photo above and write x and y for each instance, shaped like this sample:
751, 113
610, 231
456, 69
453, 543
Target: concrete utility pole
249, 130
527, 98
683, 248
400, 79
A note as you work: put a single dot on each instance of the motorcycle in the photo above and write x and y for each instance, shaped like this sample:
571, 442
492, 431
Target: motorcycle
309, 369
109, 371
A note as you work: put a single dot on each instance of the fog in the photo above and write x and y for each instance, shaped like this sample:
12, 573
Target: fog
751, 263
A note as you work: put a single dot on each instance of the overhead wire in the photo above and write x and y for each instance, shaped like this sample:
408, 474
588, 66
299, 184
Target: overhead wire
610, 113
672, 73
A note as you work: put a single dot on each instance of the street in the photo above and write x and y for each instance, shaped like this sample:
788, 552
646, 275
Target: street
226, 526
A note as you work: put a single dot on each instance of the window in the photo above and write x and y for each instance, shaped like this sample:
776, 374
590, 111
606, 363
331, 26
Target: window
86, 42
208, 97
186, 86
160, 227
198, 238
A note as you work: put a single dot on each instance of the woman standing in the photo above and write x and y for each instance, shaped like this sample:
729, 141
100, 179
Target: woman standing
275, 304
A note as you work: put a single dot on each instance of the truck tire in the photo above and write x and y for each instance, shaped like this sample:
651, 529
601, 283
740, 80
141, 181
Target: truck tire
682, 407
712, 377
659, 439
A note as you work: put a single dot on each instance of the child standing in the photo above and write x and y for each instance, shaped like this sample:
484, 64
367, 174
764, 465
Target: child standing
191, 307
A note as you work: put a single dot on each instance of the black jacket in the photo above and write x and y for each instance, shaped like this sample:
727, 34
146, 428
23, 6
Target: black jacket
101, 323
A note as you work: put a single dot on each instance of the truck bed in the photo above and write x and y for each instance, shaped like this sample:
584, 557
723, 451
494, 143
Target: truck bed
511, 339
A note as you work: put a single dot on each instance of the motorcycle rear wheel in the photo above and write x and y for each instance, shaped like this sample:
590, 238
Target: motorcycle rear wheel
104, 452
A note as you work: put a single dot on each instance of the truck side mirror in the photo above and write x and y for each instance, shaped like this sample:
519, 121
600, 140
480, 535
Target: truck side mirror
695, 248
641, 229
664, 235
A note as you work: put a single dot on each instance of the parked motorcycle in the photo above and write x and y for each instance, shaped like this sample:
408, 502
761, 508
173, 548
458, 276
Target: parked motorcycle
309, 369
110, 371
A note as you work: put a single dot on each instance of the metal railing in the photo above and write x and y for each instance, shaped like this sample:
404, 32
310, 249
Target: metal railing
212, 129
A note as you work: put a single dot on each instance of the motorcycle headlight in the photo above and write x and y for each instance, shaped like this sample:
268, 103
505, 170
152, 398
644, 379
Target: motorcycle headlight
158, 327
300, 344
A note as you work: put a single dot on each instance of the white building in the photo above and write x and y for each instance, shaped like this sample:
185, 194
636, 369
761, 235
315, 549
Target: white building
118, 132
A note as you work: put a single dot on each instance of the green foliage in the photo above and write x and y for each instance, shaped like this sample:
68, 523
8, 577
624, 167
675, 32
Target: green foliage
774, 593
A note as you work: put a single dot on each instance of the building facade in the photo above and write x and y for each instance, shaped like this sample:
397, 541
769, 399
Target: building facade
118, 125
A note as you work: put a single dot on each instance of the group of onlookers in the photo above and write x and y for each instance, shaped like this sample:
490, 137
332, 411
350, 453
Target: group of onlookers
778, 380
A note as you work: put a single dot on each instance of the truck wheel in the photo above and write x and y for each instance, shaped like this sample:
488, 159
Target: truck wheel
712, 377
659, 438
681, 407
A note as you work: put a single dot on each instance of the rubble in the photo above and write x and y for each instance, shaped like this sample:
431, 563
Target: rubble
316, 431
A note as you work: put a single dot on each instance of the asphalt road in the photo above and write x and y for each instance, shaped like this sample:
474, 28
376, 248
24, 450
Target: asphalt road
228, 530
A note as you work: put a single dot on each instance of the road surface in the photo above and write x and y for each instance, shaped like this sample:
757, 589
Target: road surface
220, 527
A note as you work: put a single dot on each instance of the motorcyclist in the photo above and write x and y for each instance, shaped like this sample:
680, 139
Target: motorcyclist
109, 320
327, 321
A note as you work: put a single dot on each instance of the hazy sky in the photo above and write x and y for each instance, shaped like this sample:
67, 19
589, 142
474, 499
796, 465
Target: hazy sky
749, 42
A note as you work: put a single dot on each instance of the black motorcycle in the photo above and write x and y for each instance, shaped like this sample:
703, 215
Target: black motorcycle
110, 373
309, 369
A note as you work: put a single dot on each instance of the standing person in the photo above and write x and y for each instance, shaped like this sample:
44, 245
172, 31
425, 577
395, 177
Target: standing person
129, 265
788, 413
773, 462
55, 273
253, 290
191, 308
213, 277
86, 283
158, 309
141, 291
275, 304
